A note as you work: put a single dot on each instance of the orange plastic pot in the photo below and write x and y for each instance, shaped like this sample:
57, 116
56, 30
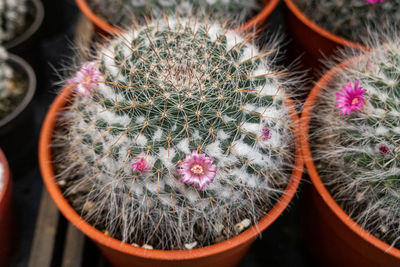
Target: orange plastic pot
103, 28
335, 238
6, 214
310, 40
227, 253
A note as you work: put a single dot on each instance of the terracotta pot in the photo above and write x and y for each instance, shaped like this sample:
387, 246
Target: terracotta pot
103, 28
227, 253
6, 214
336, 239
312, 42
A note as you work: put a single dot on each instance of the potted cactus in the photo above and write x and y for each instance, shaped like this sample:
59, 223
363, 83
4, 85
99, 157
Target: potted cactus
351, 119
320, 27
17, 87
20, 22
175, 145
6, 219
102, 13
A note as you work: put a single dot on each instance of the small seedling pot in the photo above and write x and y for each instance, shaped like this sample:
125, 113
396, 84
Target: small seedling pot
6, 214
311, 42
16, 129
103, 28
334, 238
223, 254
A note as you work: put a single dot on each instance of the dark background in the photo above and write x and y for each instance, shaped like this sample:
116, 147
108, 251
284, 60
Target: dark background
282, 244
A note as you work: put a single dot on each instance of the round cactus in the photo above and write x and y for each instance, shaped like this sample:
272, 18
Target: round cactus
12, 88
139, 9
177, 135
351, 19
355, 140
13, 19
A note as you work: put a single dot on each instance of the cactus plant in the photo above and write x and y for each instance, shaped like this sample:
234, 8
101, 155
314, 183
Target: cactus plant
13, 19
177, 135
139, 9
355, 140
351, 19
12, 89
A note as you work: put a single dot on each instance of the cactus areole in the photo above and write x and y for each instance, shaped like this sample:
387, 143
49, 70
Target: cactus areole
164, 142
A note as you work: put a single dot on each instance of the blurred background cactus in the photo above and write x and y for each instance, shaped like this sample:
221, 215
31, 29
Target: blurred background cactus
356, 140
351, 19
13, 19
139, 9
11, 89
177, 136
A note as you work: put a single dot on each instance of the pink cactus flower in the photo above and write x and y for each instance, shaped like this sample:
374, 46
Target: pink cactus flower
197, 169
86, 78
384, 149
374, 1
140, 165
266, 134
351, 98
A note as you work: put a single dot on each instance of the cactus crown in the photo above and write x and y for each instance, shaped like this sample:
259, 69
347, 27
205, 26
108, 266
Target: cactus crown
358, 153
139, 9
178, 135
13, 19
351, 19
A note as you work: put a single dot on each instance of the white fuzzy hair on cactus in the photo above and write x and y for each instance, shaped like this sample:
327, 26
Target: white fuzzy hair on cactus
357, 154
170, 138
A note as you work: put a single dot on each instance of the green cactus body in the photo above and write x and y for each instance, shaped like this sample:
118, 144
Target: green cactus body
358, 155
351, 19
13, 19
139, 9
169, 88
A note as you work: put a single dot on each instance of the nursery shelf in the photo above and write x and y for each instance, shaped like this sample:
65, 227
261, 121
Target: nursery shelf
57, 242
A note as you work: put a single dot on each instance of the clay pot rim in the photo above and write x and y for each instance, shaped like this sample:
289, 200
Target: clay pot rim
32, 29
321, 31
313, 173
96, 235
31, 80
6, 176
104, 25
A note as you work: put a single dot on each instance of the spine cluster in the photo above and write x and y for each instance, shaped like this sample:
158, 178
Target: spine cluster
177, 136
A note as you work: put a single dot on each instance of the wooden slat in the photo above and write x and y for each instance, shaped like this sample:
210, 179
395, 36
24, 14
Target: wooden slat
45, 232
74, 246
